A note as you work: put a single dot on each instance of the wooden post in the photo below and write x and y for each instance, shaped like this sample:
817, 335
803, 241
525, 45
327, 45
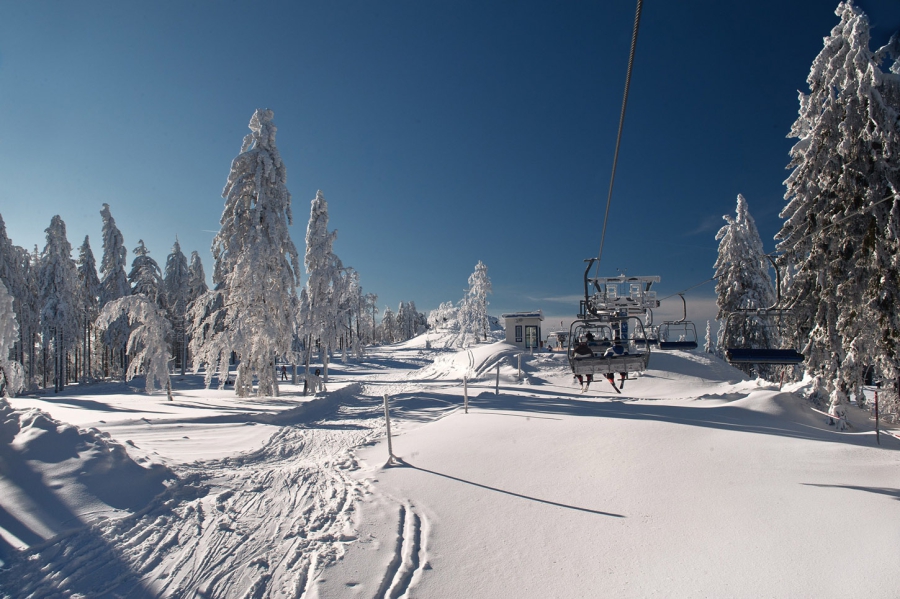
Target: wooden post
497, 383
466, 394
387, 423
519, 376
877, 432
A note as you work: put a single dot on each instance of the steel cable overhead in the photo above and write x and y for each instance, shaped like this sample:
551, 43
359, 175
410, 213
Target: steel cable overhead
612, 178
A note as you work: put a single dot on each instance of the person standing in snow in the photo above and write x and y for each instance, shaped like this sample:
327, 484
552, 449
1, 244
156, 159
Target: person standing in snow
283, 372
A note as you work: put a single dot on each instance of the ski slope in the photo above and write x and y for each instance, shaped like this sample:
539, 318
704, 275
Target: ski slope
694, 482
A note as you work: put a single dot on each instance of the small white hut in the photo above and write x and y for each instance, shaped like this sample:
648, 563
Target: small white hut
524, 328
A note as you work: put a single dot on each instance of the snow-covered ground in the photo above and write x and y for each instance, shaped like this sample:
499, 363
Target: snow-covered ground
694, 482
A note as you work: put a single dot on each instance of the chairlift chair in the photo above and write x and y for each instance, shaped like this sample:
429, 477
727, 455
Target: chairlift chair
604, 322
683, 331
766, 355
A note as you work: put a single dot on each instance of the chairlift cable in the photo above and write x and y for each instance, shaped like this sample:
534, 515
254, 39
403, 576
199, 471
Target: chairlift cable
612, 178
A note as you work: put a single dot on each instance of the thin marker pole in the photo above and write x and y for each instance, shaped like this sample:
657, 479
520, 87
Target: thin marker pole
466, 393
520, 367
387, 421
497, 383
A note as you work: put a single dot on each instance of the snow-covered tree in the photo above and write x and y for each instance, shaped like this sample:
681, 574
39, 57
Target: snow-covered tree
321, 297
256, 269
113, 280
388, 326
90, 296
147, 348
840, 194
368, 313
743, 283
473, 317
145, 276
113, 285
707, 347
177, 286
12, 378
197, 280
60, 297
17, 273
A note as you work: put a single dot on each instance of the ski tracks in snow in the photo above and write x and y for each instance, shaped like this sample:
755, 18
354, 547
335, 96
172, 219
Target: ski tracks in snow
409, 558
259, 525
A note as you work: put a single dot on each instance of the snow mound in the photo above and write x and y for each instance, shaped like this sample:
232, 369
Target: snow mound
472, 362
57, 477
687, 364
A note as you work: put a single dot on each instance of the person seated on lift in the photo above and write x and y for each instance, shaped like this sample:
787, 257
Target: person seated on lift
617, 349
583, 351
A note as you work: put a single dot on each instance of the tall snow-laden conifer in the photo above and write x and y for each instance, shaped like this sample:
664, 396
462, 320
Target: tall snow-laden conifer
113, 280
90, 289
256, 268
197, 279
177, 285
840, 193
388, 326
15, 273
320, 301
145, 276
11, 372
61, 313
113, 285
743, 283
473, 315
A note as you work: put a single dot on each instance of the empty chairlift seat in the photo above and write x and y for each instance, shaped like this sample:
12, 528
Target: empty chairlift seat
787, 357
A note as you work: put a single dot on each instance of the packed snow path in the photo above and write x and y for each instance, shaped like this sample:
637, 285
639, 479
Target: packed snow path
261, 522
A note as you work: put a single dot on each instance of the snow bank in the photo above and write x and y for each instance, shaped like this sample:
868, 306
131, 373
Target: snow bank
58, 477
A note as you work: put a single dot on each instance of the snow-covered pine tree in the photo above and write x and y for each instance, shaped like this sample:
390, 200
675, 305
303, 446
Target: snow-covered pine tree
839, 196
30, 319
15, 273
147, 345
60, 296
12, 378
256, 269
320, 303
882, 295
404, 322
145, 276
197, 279
369, 313
113, 285
473, 316
177, 286
707, 347
388, 326
743, 282
90, 290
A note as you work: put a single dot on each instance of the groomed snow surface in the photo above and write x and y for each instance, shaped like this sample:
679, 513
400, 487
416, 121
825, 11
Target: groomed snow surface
694, 482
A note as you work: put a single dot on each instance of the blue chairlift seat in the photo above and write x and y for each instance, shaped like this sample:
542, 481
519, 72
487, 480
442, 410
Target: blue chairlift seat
739, 355
677, 345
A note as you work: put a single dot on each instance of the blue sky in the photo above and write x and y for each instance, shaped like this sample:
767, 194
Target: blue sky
441, 132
